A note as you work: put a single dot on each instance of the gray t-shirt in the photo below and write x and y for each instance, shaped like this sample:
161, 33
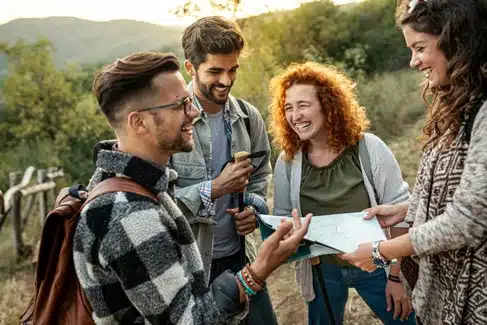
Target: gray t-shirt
226, 241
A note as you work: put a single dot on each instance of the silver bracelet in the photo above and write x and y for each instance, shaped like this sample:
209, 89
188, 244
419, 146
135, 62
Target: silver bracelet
377, 258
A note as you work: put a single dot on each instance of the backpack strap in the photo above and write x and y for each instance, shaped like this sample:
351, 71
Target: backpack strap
246, 111
365, 159
119, 184
288, 170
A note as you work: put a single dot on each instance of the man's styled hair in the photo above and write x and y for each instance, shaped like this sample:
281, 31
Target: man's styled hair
129, 78
211, 35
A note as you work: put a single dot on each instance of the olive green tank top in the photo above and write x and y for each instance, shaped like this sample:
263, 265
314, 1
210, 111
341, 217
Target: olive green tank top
336, 188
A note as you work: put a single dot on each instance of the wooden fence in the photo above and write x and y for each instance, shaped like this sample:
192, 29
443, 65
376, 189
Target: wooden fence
19, 201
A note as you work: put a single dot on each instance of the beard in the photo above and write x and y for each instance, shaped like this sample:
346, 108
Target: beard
171, 138
207, 91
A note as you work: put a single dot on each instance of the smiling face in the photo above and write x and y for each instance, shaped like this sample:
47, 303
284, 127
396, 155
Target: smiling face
304, 112
215, 76
426, 56
172, 129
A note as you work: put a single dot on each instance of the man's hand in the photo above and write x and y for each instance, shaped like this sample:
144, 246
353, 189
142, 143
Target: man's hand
245, 221
388, 215
395, 293
279, 246
233, 179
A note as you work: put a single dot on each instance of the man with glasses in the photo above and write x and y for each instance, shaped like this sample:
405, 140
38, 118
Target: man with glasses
210, 183
135, 255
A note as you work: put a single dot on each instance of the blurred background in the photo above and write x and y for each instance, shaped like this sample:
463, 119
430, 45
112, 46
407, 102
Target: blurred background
49, 51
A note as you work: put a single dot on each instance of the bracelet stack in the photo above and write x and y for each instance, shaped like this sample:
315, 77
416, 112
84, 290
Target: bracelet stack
378, 260
394, 278
249, 281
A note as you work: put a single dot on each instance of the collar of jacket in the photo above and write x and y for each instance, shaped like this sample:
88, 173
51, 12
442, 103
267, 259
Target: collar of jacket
153, 176
231, 107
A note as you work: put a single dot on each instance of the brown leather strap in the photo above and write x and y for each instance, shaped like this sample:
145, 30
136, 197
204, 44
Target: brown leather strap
119, 184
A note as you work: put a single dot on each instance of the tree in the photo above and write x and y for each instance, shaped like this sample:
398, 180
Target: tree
36, 94
49, 115
197, 8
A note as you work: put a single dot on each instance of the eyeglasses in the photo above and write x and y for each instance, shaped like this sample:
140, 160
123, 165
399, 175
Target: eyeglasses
186, 103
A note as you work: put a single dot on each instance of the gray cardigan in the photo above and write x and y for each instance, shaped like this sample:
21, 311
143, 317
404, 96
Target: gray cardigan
387, 178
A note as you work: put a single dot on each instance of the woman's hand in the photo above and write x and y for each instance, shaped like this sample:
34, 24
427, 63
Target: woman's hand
397, 295
388, 215
361, 258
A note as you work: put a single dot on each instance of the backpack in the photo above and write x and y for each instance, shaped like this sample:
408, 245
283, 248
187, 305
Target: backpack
365, 159
59, 298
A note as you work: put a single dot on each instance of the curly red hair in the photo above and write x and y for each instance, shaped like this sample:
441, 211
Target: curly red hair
345, 119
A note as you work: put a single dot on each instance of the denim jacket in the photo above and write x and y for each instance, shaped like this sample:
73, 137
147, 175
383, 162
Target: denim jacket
193, 174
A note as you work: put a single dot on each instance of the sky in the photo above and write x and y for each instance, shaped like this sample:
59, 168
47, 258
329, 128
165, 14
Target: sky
154, 11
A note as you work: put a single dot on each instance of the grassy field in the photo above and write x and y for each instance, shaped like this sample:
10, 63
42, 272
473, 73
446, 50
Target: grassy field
16, 277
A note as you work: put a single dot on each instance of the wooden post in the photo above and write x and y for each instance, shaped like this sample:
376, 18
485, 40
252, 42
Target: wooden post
41, 177
2, 206
3, 216
53, 174
16, 215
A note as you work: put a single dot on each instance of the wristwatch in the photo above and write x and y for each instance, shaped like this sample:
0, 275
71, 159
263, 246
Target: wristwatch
378, 260
252, 208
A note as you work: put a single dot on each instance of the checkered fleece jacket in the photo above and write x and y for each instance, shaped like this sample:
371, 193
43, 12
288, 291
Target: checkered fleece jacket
137, 261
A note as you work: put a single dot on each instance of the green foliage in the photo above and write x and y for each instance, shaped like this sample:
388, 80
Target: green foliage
49, 118
35, 93
393, 102
360, 38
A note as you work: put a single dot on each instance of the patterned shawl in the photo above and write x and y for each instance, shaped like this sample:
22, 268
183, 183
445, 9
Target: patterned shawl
451, 288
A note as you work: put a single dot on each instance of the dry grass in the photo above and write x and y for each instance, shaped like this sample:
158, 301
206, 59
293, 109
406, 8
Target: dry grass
15, 294
17, 278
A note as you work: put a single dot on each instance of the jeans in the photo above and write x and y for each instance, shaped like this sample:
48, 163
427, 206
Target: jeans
338, 279
260, 307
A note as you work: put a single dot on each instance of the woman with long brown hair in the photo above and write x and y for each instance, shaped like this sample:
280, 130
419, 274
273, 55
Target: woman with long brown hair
448, 207
319, 125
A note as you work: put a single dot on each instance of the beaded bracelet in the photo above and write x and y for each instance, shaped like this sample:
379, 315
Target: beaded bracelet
259, 281
250, 280
247, 289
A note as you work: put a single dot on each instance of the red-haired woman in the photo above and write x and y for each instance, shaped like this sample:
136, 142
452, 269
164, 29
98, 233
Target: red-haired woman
317, 122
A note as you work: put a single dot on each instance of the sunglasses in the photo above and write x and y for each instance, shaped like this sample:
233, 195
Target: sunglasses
186, 103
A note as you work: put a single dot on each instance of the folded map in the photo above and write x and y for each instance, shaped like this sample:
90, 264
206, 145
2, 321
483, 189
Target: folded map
329, 234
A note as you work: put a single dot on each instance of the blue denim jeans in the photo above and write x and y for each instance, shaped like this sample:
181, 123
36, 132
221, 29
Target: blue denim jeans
338, 279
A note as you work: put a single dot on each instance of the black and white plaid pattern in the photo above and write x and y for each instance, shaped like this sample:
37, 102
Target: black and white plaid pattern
136, 260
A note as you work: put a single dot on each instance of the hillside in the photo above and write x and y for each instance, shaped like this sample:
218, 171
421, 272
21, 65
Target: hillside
79, 40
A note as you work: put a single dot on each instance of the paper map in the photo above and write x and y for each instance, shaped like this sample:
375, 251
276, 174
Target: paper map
335, 233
